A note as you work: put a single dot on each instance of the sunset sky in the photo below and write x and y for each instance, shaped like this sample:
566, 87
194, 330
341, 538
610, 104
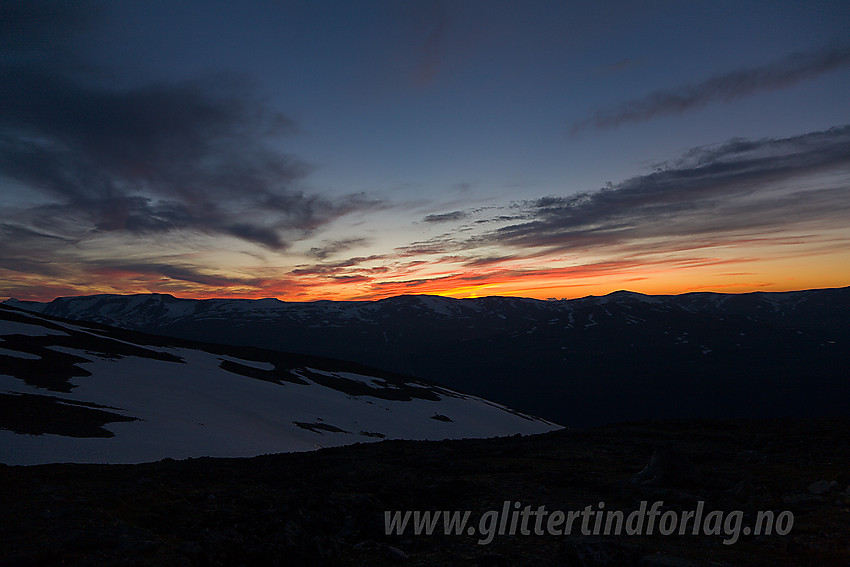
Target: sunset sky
364, 149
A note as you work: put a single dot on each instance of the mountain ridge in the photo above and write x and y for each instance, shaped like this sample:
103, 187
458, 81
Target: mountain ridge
593, 360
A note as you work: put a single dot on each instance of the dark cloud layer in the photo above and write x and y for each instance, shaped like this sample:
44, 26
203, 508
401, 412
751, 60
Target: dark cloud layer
737, 187
446, 217
197, 155
722, 88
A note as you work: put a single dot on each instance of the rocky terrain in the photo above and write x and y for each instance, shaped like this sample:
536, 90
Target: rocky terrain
326, 507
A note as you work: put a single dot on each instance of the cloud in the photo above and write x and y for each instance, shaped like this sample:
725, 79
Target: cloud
352, 279
487, 261
25, 251
575, 276
431, 50
342, 267
621, 65
179, 272
779, 74
264, 235
152, 159
740, 187
322, 252
198, 155
447, 217
400, 286
439, 245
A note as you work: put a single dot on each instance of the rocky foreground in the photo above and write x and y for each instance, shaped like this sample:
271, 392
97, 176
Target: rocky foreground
327, 507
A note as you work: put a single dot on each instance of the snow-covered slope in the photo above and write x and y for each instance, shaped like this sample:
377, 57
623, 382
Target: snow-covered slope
90, 393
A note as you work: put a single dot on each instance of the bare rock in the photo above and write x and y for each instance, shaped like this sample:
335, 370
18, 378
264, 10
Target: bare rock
662, 560
668, 468
821, 486
493, 560
583, 553
394, 554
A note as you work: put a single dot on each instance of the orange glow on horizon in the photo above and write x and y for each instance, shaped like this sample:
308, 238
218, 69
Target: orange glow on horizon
678, 267
566, 283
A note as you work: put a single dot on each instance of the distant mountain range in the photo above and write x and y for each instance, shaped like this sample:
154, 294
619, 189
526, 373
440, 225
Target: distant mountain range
91, 393
623, 356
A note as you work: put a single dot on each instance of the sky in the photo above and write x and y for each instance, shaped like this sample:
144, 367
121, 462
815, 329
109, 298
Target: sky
358, 150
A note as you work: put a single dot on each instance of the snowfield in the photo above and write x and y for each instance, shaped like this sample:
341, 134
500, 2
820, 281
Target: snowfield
204, 406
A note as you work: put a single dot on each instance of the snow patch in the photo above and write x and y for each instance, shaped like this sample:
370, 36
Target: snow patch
259, 365
18, 354
16, 328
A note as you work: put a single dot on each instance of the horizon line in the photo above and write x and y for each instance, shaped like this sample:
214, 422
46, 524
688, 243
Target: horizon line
5, 298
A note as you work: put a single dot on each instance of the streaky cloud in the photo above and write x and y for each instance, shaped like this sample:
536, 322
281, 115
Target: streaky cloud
178, 272
446, 217
322, 252
741, 83
737, 187
430, 52
342, 267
